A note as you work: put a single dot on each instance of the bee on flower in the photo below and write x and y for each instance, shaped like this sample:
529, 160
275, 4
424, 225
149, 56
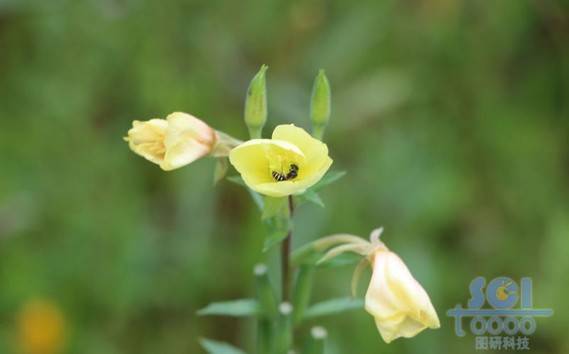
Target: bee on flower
288, 164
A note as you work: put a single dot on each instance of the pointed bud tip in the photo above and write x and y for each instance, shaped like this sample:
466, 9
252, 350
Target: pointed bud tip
320, 103
256, 103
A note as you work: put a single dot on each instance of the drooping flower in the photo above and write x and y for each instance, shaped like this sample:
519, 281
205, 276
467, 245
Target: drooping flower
287, 164
176, 141
41, 328
398, 303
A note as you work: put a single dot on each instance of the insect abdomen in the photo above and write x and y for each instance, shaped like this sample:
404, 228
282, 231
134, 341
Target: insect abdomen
278, 176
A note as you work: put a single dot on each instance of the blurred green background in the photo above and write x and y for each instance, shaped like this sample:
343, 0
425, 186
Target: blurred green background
450, 117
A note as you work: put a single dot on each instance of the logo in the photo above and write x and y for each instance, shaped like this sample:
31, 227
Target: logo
501, 314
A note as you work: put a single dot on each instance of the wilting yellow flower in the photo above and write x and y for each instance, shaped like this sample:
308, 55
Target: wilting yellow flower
287, 164
399, 304
172, 142
41, 328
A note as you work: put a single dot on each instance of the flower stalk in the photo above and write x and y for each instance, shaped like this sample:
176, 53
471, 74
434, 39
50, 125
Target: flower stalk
316, 341
285, 256
268, 309
302, 291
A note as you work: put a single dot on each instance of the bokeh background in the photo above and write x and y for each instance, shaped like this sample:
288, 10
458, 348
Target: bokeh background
451, 118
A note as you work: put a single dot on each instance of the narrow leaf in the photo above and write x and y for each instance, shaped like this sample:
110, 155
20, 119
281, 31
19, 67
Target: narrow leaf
311, 197
237, 180
257, 198
221, 166
274, 207
235, 308
328, 178
277, 230
334, 306
215, 347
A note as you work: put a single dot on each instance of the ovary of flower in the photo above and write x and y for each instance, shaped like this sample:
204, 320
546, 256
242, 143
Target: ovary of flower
172, 142
287, 164
398, 303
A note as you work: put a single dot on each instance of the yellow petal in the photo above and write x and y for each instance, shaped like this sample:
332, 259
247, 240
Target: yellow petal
312, 148
187, 139
254, 160
317, 160
259, 160
399, 304
147, 139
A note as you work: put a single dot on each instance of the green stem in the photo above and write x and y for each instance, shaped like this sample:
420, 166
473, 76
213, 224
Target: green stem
269, 311
302, 290
316, 341
284, 325
285, 256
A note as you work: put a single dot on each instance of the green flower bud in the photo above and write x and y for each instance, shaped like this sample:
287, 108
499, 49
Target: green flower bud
256, 104
320, 105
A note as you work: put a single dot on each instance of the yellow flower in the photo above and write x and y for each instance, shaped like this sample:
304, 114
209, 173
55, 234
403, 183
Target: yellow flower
399, 304
287, 164
172, 142
41, 328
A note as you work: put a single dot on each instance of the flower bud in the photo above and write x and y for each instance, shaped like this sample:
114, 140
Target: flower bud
256, 104
172, 142
320, 104
399, 304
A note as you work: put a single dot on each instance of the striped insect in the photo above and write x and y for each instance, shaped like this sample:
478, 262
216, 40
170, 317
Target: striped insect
291, 174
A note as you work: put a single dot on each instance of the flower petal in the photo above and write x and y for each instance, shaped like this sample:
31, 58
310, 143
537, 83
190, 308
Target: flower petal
252, 160
311, 147
317, 160
399, 304
187, 139
146, 139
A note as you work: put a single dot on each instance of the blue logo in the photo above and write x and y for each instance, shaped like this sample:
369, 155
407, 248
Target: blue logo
501, 314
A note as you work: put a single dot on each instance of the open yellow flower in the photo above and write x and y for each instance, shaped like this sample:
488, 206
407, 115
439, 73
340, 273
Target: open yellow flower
172, 142
287, 164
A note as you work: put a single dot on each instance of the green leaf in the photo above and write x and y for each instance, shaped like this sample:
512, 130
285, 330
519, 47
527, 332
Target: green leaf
330, 177
274, 207
276, 217
215, 347
334, 306
234, 308
277, 230
237, 180
311, 197
257, 198
221, 166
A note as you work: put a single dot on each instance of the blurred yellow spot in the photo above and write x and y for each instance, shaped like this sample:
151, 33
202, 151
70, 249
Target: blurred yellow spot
41, 328
502, 292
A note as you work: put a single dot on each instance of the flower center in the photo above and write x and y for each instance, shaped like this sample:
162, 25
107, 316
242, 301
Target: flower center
280, 176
